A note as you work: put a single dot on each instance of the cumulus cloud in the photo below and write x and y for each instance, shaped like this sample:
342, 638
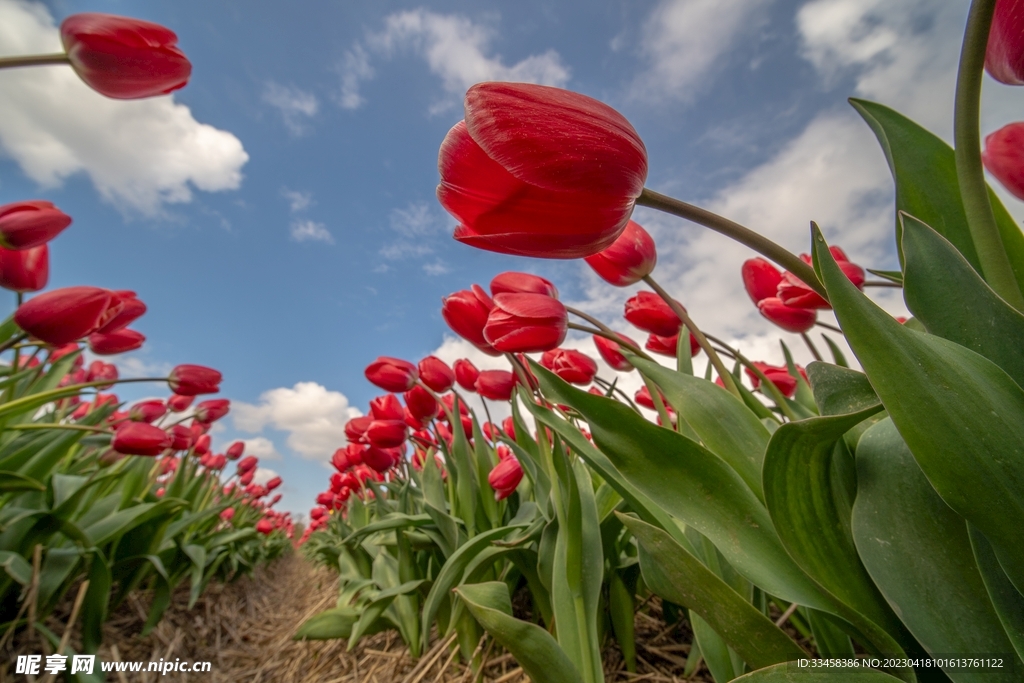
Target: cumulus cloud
295, 105
456, 49
261, 447
297, 200
417, 226
313, 416
139, 154
687, 41
310, 231
262, 475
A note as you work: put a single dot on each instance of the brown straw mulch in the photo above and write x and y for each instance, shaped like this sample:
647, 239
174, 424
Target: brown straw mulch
245, 630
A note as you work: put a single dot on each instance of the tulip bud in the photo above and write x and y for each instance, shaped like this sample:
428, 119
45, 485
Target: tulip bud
212, 410
496, 385
760, 278
235, 450
202, 445
612, 352
227, 514
387, 433
522, 283
139, 438
124, 58
436, 374
179, 404
466, 313
777, 375
505, 477
24, 270
247, 464
787, 317
61, 316
126, 309
650, 313
1004, 56
191, 380
628, 259
24, 225
421, 404
570, 365
668, 346
392, 374
100, 371
526, 323
466, 374
355, 429
147, 411
265, 526
273, 483
380, 459
508, 425
121, 341
246, 479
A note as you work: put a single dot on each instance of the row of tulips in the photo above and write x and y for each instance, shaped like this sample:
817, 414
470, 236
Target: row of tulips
877, 510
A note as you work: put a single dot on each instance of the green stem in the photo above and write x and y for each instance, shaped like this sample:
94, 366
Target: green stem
810, 345
995, 264
777, 396
57, 425
33, 60
723, 372
741, 234
610, 335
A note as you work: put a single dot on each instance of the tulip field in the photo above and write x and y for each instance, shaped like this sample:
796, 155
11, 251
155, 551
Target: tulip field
859, 518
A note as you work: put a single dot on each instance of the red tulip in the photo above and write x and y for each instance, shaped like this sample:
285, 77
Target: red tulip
628, 260
522, 283
100, 371
496, 385
505, 477
32, 223
181, 438
67, 350
650, 313
466, 374
526, 323
317, 512
201, 445
421, 404
379, 459
355, 429
387, 433
147, 411
449, 402
508, 425
25, 270
572, 366
326, 499
760, 278
64, 315
667, 346
787, 317
235, 450
178, 404
387, 407
121, 341
191, 380
227, 514
539, 171
779, 376
643, 397
218, 462
1004, 58
273, 483
1004, 155
247, 464
124, 58
212, 410
793, 291
139, 438
265, 526
436, 374
392, 374
126, 308
466, 312
612, 352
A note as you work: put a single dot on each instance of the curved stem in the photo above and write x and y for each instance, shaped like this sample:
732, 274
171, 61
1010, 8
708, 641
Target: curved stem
882, 283
609, 334
741, 234
723, 372
828, 327
610, 386
995, 264
57, 425
811, 346
33, 60
777, 396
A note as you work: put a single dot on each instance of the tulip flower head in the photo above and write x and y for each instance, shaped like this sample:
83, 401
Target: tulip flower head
668, 346
466, 374
421, 403
247, 464
1004, 56
612, 352
496, 385
466, 312
126, 309
526, 323
147, 411
139, 438
33, 223
540, 171
124, 58
61, 316
761, 279
120, 341
570, 365
392, 374
1004, 156
387, 433
235, 450
25, 270
505, 477
512, 282
387, 407
192, 380
787, 317
227, 514
777, 375
436, 374
212, 410
650, 313
178, 404
630, 258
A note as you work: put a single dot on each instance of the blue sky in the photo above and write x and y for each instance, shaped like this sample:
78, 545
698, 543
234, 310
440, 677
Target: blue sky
278, 214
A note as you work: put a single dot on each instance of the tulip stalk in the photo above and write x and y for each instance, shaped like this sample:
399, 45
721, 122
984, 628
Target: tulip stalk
34, 60
741, 234
981, 221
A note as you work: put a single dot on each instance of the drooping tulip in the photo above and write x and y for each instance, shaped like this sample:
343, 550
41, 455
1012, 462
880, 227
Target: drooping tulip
25, 270
540, 171
124, 58
178, 403
1004, 56
525, 323
466, 374
466, 312
436, 374
392, 374
512, 282
212, 410
612, 352
32, 223
126, 309
273, 483
496, 385
235, 450
113, 343
505, 477
570, 365
777, 375
192, 380
650, 313
787, 317
139, 438
64, 315
630, 258
247, 464
147, 411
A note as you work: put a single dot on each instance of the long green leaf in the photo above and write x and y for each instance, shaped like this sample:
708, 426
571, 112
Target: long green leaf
791, 673
960, 414
1007, 602
329, 624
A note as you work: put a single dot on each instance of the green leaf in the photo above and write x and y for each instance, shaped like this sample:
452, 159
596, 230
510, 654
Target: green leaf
94, 608
945, 293
329, 624
923, 564
676, 575
714, 649
12, 482
694, 485
960, 414
924, 170
840, 391
16, 566
1007, 602
723, 423
368, 618
531, 646
391, 522
791, 673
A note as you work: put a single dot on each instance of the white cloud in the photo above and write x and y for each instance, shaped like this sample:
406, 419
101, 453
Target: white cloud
305, 231
262, 475
455, 49
438, 267
261, 447
139, 154
313, 416
297, 200
296, 105
687, 41
416, 224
